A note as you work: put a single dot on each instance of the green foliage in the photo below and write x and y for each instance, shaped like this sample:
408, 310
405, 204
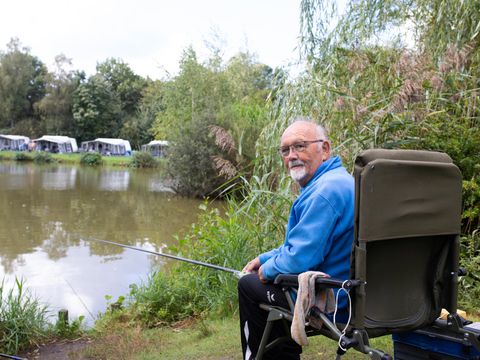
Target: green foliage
469, 285
246, 229
190, 161
163, 298
91, 159
23, 320
22, 156
378, 93
368, 94
42, 157
22, 83
69, 330
471, 204
55, 108
141, 159
212, 113
96, 110
127, 85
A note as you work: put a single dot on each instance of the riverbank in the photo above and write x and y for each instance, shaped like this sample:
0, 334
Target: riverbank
74, 159
209, 339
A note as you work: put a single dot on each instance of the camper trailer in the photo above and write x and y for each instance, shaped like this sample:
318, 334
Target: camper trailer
107, 146
156, 147
55, 144
14, 142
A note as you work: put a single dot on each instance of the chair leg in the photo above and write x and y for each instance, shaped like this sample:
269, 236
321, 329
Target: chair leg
263, 342
273, 315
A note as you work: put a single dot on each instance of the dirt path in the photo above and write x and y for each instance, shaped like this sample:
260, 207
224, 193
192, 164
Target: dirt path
61, 350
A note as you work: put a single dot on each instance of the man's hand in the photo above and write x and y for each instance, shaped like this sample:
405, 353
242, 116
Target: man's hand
252, 266
261, 277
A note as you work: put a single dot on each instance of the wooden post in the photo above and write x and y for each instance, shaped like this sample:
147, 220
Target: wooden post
63, 316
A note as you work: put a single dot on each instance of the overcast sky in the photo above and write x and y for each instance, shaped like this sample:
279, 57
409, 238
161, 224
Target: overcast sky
150, 35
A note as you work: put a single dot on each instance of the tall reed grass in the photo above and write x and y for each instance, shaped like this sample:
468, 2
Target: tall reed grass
23, 319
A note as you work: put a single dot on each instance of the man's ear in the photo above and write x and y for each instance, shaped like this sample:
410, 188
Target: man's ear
326, 150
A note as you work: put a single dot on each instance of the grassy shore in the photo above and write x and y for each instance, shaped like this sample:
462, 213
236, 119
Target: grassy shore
200, 340
117, 161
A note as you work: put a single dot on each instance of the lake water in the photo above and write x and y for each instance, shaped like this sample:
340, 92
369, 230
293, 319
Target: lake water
49, 216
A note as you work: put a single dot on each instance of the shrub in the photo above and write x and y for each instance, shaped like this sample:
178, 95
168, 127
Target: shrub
91, 159
142, 159
43, 158
164, 298
22, 156
231, 239
190, 160
469, 285
68, 330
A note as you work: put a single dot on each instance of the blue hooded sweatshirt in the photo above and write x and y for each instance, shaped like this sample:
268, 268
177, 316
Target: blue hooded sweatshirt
320, 228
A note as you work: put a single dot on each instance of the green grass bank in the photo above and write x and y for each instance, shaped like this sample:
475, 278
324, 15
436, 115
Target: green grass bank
207, 339
138, 159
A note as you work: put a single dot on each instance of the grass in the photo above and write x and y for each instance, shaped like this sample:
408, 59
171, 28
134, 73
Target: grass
209, 339
117, 161
23, 320
200, 339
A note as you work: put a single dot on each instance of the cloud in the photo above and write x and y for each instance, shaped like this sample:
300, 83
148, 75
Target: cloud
149, 34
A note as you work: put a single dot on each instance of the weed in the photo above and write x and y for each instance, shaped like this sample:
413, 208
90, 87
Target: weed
22, 156
91, 159
42, 157
64, 329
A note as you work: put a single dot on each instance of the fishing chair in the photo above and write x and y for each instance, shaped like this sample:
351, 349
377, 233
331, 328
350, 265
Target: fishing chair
404, 263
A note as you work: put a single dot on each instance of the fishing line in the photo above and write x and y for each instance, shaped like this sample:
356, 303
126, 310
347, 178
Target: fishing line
80, 299
236, 273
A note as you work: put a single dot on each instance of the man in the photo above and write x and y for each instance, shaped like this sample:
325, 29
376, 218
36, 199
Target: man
319, 234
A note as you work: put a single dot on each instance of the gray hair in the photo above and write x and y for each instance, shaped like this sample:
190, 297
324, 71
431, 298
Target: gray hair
320, 130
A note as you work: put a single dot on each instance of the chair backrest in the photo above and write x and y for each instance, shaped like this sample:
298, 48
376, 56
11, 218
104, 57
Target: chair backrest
407, 225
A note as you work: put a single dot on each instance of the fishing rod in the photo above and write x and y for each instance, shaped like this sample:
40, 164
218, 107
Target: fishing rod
238, 274
11, 357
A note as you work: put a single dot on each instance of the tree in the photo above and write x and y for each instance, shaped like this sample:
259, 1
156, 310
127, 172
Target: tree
96, 110
22, 84
124, 82
138, 129
56, 108
229, 101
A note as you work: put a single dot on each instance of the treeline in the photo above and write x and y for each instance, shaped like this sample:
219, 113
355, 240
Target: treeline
211, 112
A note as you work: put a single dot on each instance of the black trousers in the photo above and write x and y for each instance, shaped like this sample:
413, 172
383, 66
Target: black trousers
251, 292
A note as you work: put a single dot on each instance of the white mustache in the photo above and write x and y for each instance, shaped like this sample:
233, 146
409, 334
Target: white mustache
295, 163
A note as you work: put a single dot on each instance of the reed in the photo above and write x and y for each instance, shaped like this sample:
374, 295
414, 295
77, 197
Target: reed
23, 319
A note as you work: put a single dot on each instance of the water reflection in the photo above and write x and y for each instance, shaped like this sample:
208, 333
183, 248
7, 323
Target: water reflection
59, 178
114, 180
48, 215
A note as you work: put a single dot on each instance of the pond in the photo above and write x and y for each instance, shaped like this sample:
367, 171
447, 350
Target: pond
50, 216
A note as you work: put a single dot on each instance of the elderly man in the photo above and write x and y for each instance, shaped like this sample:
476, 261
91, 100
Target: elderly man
319, 234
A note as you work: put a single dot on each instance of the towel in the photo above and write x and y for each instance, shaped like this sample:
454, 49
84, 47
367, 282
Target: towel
324, 300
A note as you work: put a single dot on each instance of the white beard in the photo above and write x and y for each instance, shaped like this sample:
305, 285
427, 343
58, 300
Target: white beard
298, 173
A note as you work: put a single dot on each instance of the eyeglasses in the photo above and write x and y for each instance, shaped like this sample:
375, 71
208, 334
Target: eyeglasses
297, 147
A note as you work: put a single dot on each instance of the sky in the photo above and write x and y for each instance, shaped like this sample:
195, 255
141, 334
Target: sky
150, 35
